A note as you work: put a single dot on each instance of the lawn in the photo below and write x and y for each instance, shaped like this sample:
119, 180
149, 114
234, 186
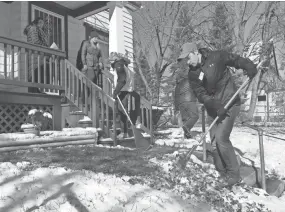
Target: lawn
91, 178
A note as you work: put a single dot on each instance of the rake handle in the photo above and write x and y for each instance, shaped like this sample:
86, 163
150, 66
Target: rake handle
216, 119
124, 110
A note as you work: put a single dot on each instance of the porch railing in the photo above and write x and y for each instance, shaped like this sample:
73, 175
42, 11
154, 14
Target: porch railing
27, 65
90, 99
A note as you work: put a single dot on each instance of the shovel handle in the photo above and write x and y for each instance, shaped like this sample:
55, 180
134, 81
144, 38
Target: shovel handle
216, 119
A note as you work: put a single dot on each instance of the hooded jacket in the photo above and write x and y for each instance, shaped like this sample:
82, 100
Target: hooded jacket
216, 80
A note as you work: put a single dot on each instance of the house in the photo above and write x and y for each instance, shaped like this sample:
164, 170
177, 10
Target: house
270, 102
69, 23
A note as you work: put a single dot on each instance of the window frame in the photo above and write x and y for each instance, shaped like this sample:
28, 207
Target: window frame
35, 7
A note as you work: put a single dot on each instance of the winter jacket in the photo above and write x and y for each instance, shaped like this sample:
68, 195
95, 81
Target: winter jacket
90, 56
217, 81
35, 35
183, 90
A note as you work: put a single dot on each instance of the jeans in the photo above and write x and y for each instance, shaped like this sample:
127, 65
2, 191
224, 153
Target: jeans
93, 75
225, 159
189, 114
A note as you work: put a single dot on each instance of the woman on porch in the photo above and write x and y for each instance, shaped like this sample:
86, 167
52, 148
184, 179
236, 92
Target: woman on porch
35, 35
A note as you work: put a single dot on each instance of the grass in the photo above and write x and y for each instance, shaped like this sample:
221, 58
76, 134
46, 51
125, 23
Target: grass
97, 159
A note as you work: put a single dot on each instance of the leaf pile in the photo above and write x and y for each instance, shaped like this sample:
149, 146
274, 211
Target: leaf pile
199, 182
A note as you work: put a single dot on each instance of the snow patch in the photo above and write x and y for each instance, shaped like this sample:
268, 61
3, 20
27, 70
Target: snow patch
157, 108
85, 118
32, 112
24, 126
48, 115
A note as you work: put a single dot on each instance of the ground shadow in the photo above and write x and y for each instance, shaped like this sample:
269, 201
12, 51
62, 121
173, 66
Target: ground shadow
11, 179
70, 196
19, 200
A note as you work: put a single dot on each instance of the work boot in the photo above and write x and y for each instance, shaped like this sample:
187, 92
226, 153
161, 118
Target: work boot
187, 134
229, 181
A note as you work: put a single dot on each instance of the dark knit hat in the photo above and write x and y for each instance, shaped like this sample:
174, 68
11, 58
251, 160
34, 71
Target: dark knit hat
94, 34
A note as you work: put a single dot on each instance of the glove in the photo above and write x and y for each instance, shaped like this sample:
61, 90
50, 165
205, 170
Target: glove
115, 94
84, 70
251, 71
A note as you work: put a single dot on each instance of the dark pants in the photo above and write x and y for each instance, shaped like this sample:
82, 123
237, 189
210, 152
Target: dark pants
92, 74
189, 114
225, 159
134, 112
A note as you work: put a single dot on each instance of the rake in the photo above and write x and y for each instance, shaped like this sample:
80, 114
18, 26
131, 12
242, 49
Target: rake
183, 160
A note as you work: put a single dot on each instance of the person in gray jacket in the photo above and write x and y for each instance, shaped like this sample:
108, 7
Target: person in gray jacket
185, 100
92, 61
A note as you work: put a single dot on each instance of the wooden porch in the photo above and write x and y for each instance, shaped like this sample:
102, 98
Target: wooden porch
28, 66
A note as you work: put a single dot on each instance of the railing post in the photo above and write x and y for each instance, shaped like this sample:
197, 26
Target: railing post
262, 162
5, 60
13, 62
204, 130
114, 107
151, 124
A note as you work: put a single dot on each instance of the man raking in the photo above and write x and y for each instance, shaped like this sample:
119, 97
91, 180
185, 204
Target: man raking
213, 85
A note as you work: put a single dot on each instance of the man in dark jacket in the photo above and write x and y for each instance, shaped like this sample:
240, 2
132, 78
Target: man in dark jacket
214, 86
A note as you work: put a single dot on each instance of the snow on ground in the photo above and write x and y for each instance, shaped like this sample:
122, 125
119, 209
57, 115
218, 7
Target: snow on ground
61, 189
50, 134
64, 190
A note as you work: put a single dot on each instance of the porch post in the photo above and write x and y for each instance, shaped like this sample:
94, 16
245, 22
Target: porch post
120, 31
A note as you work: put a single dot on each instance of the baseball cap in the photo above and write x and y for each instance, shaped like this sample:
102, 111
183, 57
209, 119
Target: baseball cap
186, 49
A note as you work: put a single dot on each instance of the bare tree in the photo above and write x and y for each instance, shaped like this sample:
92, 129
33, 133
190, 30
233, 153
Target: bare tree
153, 26
257, 22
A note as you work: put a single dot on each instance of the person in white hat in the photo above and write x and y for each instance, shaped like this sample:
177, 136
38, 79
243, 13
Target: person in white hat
125, 87
214, 86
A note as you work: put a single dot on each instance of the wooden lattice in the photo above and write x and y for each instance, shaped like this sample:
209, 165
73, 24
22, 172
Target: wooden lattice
12, 116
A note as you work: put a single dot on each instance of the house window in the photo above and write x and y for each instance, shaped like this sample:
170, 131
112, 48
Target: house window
54, 25
9, 65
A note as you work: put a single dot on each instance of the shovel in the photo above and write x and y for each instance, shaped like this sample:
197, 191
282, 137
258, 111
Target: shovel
183, 160
142, 144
